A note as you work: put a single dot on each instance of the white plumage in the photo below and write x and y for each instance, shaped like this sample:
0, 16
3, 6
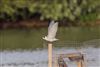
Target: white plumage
52, 30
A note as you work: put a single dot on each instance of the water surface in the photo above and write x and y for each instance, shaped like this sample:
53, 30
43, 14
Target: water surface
39, 58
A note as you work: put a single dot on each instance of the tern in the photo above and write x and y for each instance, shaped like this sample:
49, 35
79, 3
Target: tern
52, 30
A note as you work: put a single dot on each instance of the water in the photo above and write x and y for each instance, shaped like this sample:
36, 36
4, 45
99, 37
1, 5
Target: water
39, 58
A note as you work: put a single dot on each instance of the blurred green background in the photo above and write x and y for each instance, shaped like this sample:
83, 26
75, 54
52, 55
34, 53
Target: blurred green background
23, 23
32, 39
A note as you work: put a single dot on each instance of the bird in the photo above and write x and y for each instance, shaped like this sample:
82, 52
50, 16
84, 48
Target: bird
52, 30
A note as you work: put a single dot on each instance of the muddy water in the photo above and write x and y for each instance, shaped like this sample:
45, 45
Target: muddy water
38, 58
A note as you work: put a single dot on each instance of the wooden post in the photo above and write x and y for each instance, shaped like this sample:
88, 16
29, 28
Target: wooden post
49, 54
79, 63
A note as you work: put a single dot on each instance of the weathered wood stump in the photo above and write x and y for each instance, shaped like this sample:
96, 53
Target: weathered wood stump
76, 57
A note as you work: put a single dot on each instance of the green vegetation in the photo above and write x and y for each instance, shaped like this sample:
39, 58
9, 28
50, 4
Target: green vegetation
17, 13
12, 10
31, 39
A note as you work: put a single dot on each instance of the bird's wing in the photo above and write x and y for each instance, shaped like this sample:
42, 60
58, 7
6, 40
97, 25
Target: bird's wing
50, 25
52, 30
